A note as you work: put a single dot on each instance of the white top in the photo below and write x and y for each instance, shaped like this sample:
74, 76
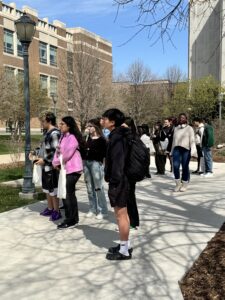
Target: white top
184, 136
148, 142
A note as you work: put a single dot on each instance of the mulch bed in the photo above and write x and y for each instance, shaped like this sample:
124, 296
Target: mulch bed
206, 278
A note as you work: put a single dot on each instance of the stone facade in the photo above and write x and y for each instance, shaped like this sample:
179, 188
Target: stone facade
206, 42
54, 36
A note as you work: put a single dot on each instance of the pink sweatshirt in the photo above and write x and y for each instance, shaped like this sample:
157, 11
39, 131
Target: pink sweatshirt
68, 147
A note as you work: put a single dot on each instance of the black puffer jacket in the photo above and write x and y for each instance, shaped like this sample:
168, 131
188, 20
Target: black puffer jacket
117, 151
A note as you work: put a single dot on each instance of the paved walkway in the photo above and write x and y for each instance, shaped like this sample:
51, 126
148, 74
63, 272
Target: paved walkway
39, 262
8, 158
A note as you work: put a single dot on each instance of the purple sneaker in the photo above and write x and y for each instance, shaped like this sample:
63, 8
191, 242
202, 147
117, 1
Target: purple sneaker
56, 215
47, 212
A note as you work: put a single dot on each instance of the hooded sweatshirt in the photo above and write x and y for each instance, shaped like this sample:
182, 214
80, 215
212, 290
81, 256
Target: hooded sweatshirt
116, 155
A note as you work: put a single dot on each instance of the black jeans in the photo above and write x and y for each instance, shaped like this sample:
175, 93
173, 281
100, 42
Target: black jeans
160, 161
132, 206
70, 203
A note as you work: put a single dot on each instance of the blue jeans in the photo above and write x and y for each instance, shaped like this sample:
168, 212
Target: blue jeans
181, 156
93, 175
207, 154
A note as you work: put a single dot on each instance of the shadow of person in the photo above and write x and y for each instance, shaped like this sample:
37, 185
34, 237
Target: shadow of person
101, 237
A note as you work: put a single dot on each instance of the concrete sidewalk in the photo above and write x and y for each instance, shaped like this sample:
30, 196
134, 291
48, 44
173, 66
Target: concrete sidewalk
39, 262
8, 158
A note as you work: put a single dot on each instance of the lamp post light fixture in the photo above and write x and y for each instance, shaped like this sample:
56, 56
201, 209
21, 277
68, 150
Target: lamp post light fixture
25, 28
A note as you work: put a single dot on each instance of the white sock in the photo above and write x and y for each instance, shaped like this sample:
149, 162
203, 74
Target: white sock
124, 248
129, 244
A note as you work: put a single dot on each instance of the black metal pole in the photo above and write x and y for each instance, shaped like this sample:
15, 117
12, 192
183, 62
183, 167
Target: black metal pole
28, 186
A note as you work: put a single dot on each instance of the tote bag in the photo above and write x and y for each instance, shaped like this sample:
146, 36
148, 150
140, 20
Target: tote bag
37, 175
61, 194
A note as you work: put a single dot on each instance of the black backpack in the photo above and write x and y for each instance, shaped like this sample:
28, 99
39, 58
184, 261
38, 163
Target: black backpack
138, 160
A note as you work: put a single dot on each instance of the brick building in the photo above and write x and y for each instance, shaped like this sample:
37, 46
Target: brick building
51, 50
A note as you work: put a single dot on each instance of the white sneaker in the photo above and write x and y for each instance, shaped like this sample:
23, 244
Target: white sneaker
101, 216
208, 175
203, 174
90, 214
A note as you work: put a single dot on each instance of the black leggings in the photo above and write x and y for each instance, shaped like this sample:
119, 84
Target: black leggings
70, 203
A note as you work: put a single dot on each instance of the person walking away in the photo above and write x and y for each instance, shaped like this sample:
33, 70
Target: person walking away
132, 208
183, 148
69, 149
207, 144
118, 182
94, 172
160, 153
199, 131
46, 153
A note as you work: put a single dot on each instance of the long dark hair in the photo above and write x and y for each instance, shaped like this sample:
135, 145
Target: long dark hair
131, 124
97, 125
74, 129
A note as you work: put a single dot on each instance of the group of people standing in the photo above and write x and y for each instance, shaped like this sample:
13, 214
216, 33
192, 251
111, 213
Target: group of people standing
102, 154
180, 141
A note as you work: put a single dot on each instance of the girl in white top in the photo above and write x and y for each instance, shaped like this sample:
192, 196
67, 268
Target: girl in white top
183, 148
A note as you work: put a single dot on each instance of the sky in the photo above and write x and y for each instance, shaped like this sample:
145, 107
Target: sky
100, 17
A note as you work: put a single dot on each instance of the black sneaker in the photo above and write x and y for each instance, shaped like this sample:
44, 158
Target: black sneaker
117, 249
195, 172
117, 256
66, 225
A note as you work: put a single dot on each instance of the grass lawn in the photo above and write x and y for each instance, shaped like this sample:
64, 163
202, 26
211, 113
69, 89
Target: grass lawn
5, 147
9, 199
9, 174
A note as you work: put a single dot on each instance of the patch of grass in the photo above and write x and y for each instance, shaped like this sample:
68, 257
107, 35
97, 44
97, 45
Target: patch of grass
9, 199
9, 174
5, 145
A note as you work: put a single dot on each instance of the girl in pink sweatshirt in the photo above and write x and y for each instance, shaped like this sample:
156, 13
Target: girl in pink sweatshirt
69, 149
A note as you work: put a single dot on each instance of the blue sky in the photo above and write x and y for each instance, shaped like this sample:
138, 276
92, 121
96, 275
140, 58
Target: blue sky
99, 16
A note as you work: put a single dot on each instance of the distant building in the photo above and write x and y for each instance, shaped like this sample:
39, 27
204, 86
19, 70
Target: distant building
158, 92
50, 43
206, 40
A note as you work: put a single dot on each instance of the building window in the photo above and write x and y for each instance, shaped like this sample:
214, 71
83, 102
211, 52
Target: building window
8, 41
44, 82
53, 86
43, 52
19, 49
53, 56
70, 90
70, 61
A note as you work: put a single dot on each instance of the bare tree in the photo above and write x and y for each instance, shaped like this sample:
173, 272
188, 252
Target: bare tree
162, 17
84, 75
12, 101
136, 94
174, 74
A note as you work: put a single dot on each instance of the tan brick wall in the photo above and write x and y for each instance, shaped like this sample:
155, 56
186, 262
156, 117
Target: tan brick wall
61, 31
60, 71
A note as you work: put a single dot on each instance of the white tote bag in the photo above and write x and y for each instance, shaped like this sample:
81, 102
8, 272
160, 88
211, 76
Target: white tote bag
61, 194
37, 175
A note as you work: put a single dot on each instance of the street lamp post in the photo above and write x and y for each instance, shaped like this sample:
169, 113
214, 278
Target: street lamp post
25, 28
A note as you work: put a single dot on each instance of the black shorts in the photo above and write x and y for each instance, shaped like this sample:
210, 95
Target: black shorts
50, 182
119, 195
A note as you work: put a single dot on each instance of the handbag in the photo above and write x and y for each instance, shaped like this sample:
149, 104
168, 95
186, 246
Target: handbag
61, 193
